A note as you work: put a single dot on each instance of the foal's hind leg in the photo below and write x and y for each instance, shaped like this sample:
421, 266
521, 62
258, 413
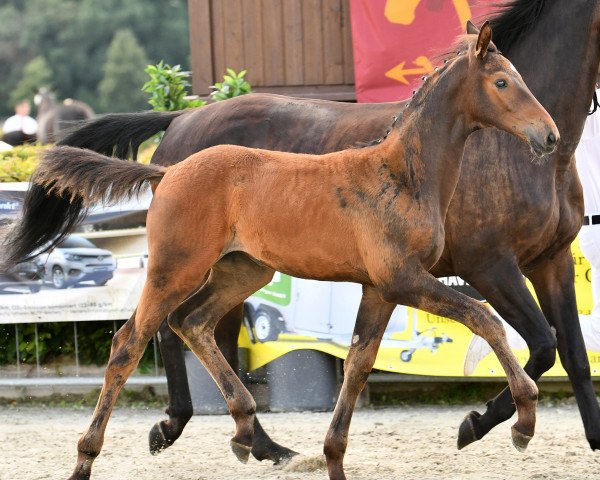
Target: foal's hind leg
127, 349
165, 432
372, 319
232, 279
417, 288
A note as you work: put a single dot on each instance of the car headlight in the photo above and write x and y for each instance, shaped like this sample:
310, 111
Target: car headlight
73, 258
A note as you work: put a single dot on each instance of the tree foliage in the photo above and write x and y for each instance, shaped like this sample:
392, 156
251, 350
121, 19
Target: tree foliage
74, 35
126, 59
36, 74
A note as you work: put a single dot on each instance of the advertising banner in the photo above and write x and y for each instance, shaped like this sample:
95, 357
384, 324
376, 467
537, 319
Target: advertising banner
96, 274
294, 314
395, 42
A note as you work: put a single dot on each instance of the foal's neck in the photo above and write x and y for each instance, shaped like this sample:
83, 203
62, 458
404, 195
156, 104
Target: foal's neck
428, 146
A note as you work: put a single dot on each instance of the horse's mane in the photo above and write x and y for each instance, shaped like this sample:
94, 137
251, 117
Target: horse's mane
513, 20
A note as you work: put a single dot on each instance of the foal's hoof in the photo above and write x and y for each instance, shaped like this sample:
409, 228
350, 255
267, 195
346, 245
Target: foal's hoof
157, 440
467, 433
242, 452
520, 440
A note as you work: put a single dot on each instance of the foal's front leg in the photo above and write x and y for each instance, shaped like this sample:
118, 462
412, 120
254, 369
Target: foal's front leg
417, 288
502, 284
372, 319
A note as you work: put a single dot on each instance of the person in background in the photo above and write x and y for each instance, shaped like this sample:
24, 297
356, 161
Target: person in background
587, 156
20, 128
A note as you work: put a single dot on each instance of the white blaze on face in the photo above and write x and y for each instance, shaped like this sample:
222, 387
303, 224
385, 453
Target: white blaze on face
513, 68
355, 339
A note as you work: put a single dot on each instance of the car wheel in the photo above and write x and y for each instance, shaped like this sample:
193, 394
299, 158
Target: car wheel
58, 278
264, 326
35, 288
101, 282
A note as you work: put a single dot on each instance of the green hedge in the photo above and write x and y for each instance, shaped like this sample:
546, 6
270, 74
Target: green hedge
17, 164
57, 341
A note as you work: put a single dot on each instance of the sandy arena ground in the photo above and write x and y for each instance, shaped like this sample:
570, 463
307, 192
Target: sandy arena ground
391, 443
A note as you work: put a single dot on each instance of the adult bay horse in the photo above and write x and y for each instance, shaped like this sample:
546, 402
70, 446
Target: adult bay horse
373, 216
503, 221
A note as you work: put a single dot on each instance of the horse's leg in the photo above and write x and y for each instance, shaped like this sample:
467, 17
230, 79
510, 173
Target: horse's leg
372, 319
164, 433
127, 349
554, 284
423, 291
504, 287
232, 279
227, 332
226, 335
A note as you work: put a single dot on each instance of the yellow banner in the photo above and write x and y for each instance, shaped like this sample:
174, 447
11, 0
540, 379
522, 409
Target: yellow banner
421, 343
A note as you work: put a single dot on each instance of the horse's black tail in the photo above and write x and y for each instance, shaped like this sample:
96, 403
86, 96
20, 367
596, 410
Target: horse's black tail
118, 134
67, 181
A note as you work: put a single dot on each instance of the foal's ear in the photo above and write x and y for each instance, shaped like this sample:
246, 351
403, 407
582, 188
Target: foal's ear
471, 28
483, 41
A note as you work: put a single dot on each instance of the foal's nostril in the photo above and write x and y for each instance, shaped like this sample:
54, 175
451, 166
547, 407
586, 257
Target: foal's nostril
551, 140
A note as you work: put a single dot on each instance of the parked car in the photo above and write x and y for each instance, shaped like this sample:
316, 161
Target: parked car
27, 275
77, 260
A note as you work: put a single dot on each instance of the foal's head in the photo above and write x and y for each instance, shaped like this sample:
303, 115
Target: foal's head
495, 95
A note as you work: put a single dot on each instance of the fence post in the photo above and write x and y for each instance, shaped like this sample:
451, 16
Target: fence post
76, 349
18, 352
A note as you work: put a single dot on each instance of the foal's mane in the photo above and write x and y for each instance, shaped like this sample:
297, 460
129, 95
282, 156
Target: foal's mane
514, 20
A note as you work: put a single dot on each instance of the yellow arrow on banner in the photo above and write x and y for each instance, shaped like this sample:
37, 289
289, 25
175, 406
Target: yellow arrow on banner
402, 12
400, 73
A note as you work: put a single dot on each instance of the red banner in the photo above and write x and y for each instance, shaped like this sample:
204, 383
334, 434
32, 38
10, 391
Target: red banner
395, 41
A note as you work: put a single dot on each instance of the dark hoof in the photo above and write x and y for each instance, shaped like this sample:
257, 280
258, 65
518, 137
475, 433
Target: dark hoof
467, 432
274, 452
284, 457
242, 452
594, 444
520, 440
157, 440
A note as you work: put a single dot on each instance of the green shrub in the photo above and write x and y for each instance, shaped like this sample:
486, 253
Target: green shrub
17, 164
233, 85
168, 88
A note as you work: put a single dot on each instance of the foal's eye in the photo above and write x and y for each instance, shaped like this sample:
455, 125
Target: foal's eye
501, 83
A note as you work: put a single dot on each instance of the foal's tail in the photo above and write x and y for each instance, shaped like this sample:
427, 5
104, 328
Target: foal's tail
67, 181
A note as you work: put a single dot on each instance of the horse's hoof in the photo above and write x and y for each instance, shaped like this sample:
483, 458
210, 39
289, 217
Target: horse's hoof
520, 440
594, 444
285, 457
278, 454
242, 452
157, 440
466, 432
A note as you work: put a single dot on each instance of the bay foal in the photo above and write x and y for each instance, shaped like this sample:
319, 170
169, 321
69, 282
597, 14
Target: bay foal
373, 216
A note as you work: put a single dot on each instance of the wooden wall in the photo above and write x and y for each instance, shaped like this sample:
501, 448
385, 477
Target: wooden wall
296, 47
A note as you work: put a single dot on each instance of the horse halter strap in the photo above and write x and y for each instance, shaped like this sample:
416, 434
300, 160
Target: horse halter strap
596, 104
